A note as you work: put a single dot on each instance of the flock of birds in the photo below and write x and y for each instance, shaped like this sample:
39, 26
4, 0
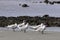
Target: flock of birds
24, 26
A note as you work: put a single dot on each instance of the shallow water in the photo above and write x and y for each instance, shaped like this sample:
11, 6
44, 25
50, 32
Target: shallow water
55, 29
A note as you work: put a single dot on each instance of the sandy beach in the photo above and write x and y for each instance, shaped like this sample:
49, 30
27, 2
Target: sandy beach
30, 35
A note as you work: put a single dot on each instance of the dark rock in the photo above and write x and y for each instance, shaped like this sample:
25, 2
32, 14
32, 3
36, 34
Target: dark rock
25, 5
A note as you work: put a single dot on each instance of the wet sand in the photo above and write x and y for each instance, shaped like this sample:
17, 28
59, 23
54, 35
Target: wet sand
30, 35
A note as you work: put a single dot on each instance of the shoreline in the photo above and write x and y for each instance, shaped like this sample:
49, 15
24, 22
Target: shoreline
10, 35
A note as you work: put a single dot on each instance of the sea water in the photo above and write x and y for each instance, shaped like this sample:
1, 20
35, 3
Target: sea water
12, 8
54, 29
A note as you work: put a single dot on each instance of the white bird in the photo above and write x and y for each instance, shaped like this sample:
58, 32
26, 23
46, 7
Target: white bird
23, 28
41, 28
21, 24
13, 26
35, 27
